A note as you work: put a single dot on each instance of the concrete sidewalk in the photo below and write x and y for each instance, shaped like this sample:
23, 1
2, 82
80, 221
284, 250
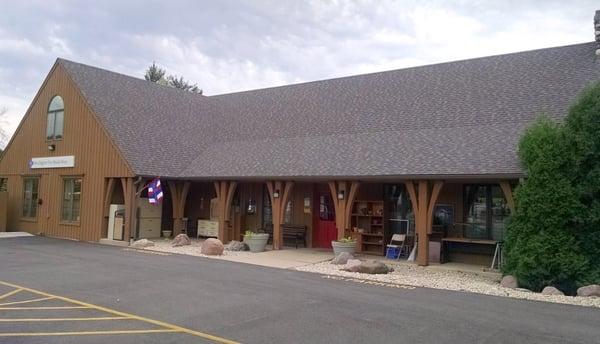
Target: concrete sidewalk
284, 259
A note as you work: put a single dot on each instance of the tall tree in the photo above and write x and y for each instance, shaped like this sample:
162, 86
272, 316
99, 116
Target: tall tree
180, 83
3, 125
157, 75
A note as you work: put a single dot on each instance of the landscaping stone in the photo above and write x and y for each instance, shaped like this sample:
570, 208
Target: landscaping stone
342, 258
589, 290
181, 240
525, 290
142, 243
373, 267
550, 290
509, 281
352, 265
236, 246
212, 247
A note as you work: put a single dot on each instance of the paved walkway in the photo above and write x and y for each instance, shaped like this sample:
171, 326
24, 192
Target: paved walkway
283, 259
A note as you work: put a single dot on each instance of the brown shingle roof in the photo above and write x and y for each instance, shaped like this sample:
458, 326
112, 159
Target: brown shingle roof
454, 119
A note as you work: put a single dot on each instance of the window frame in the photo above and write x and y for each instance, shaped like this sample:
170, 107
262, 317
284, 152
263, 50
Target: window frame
3, 184
33, 201
71, 219
54, 113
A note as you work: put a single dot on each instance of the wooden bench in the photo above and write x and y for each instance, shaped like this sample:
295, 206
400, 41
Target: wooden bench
294, 232
465, 241
290, 232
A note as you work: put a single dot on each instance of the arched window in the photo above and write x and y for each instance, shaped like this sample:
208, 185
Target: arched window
56, 116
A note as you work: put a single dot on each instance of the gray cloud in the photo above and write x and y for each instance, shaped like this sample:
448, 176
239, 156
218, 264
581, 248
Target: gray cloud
228, 46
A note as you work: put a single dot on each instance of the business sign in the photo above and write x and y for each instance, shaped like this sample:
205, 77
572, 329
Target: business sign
52, 162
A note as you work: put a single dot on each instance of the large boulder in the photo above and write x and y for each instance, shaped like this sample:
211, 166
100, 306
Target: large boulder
212, 247
342, 258
181, 240
352, 265
589, 290
373, 267
142, 243
550, 290
236, 246
509, 281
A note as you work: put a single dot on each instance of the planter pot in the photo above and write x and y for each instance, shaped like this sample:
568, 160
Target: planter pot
167, 233
339, 247
256, 242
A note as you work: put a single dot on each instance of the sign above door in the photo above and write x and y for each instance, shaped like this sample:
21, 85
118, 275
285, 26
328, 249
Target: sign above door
52, 162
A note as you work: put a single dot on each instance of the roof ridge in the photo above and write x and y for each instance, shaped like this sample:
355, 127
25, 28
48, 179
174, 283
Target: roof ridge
436, 64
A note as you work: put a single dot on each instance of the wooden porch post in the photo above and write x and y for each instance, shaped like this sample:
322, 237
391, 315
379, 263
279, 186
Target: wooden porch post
278, 208
423, 204
129, 197
343, 207
508, 194
179, 192
224, 191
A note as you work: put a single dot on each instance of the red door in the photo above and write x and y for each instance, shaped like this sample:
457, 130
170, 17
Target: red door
324, 220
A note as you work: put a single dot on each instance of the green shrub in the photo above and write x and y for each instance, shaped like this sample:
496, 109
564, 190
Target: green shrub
541, 247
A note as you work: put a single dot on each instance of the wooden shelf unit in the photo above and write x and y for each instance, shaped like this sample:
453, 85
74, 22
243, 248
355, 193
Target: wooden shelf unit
368, 217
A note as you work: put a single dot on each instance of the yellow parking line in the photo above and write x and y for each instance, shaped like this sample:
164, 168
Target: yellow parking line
83, 333
60, 319
10, 293
173, 328
48, 307
26, 301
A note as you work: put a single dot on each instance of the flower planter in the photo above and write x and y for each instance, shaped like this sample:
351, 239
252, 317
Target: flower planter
167, 233
257, 241
339, 247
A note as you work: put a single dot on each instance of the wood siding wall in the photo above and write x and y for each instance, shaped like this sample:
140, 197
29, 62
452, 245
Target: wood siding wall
96, 158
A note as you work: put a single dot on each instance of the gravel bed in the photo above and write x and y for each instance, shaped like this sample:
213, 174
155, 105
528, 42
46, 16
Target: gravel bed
417, 276
164, 245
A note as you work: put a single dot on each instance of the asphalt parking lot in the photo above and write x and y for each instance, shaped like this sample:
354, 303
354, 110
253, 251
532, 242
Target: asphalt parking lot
30, 315
169, 298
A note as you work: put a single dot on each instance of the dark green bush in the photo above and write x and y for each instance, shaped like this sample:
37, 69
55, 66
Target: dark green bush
554, 236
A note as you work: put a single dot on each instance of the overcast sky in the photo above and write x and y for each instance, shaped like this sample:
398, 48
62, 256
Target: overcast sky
227, 46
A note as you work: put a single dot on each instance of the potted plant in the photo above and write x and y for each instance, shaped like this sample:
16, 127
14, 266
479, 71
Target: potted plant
256, 241
344, 245
166, 233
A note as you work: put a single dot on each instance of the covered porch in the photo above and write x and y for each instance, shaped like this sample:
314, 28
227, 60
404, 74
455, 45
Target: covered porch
448, 221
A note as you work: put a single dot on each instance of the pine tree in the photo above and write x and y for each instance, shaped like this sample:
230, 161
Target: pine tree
155, 73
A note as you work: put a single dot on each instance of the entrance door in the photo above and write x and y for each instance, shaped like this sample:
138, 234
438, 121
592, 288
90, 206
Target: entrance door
324, 220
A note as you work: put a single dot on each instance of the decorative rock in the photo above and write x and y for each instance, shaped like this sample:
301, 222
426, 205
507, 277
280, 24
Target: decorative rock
342, 258
212, 247
525, 290
589, 290
373, 267
550, 290
142, 243
509, 281
236, 246
181, 240
352, 265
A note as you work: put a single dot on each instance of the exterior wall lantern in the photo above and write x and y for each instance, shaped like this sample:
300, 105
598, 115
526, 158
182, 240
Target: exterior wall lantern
51, 147
251, 209
340, 194
276, 193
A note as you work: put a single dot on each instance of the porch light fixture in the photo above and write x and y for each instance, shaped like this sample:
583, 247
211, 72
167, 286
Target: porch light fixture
341, 194
51, 147
276, 193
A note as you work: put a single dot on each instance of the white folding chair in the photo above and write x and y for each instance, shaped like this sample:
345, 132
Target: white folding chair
398, 238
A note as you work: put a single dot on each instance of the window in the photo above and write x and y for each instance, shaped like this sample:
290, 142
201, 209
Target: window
485, 212
56, 114
268, 210
30, 197
71, 203
3, 184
